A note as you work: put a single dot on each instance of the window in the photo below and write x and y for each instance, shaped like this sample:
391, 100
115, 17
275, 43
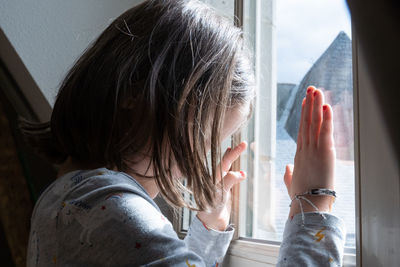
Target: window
296, 44
315, 50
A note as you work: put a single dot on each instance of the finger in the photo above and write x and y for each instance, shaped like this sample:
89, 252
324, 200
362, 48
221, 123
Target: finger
316, 116
227, 151
232, 155
220, 172
305, 128
299, 139
232, 178
325, 139
288, 176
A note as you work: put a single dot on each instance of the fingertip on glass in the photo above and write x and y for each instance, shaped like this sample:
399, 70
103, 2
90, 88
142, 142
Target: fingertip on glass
310, 89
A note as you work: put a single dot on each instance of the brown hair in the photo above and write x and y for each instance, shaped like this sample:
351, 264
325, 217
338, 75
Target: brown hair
154, 80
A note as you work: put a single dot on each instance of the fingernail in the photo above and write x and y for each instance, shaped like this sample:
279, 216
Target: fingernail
315, 93
243, 173
309, 90
228, 149
324, 108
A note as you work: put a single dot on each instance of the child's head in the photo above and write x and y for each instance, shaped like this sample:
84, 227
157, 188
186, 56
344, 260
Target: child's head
156, 83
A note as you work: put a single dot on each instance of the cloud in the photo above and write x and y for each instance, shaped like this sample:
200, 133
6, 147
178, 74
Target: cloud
304, 30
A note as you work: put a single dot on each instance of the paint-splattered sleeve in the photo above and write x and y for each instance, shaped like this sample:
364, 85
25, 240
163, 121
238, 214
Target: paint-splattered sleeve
209, 244
319, 242
132, 232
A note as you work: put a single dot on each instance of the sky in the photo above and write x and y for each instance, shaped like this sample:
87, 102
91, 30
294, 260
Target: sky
305, 29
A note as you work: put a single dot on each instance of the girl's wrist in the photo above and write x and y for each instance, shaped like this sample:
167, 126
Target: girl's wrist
322, 202
217, 227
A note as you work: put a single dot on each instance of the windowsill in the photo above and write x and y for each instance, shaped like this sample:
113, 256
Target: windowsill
267, 253
254, 251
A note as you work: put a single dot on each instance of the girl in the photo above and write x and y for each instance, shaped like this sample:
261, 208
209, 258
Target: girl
162, 86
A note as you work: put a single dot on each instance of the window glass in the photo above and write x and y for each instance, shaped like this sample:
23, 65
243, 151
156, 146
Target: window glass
296, 44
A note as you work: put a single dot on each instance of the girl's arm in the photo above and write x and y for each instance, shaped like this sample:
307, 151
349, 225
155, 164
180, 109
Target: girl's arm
312, 238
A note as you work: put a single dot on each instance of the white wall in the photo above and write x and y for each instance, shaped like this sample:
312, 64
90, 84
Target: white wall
49, 35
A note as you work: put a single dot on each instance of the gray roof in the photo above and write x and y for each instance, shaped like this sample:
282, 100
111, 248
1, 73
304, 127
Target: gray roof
332, 72
284, 92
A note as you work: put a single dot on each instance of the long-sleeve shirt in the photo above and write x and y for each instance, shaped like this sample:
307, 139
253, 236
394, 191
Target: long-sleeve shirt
106, 218
316, 241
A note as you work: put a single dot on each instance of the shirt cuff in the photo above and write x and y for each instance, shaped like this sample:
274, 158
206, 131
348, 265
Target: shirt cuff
208, 243
317, 240
316, 219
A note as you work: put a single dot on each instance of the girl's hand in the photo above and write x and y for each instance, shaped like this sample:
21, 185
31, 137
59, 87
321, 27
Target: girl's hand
218, 218
314, 162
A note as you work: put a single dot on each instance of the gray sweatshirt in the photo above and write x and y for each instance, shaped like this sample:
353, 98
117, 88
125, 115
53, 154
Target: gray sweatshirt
105, 218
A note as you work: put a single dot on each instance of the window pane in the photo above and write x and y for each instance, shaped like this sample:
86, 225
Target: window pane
297, 44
